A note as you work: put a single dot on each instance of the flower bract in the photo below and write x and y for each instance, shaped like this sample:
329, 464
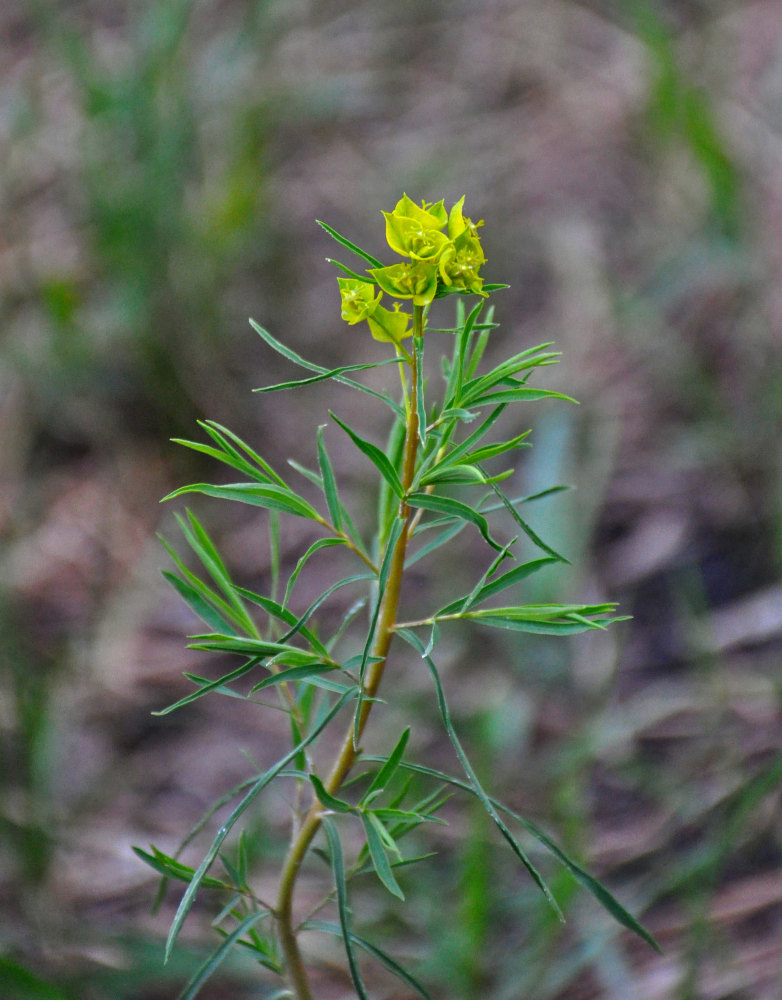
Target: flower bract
416, 280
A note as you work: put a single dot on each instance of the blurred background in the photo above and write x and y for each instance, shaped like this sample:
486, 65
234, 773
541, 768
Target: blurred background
161, 167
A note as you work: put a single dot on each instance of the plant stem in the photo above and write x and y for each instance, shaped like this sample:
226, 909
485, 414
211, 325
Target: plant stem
384, 633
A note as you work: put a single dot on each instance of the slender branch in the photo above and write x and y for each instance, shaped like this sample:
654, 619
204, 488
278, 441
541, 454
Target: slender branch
384, 634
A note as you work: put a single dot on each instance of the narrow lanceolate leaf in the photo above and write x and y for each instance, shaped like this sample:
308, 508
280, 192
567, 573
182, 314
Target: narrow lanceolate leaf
532, 535
283, 614
546, 619
227, 440
375, 455
301, 673
388, 770
321, 543
377, 854
327, 800
516, 395
198, 603
271, 496
476, 786
329, 483
493, 587
589, 882
391, 964
454, 508
338, 867
217, 956
297, 359
249, 646
207, 688
202, 545
345, 242
325, 375
171, 868
258, 785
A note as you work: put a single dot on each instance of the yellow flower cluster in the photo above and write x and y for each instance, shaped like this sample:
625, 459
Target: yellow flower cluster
441, 248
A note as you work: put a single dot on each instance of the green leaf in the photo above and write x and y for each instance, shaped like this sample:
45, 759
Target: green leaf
533, 536
350, 273
270, 496
199, 604
391, 964
210, 686
591, 884
297, 359
226, 439
448, 532
321, 543
299, 673
327, 800
329, 483
375, 455
488, 590
476, 786
388, 770
565, 619
219, 954
202, 545
323, 376
454, 508
499, 448
172, 868
518, 395
345, 242
283, 614
338, 867
258, 785
378, 856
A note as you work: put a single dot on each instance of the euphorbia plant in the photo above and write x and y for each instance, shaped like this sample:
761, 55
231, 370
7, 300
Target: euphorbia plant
434, 480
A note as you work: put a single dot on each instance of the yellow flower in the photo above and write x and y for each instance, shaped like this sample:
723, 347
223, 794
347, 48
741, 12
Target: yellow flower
358, 299
416, 280
460, 263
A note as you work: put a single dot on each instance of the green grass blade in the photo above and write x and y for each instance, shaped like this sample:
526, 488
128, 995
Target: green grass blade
338, 867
